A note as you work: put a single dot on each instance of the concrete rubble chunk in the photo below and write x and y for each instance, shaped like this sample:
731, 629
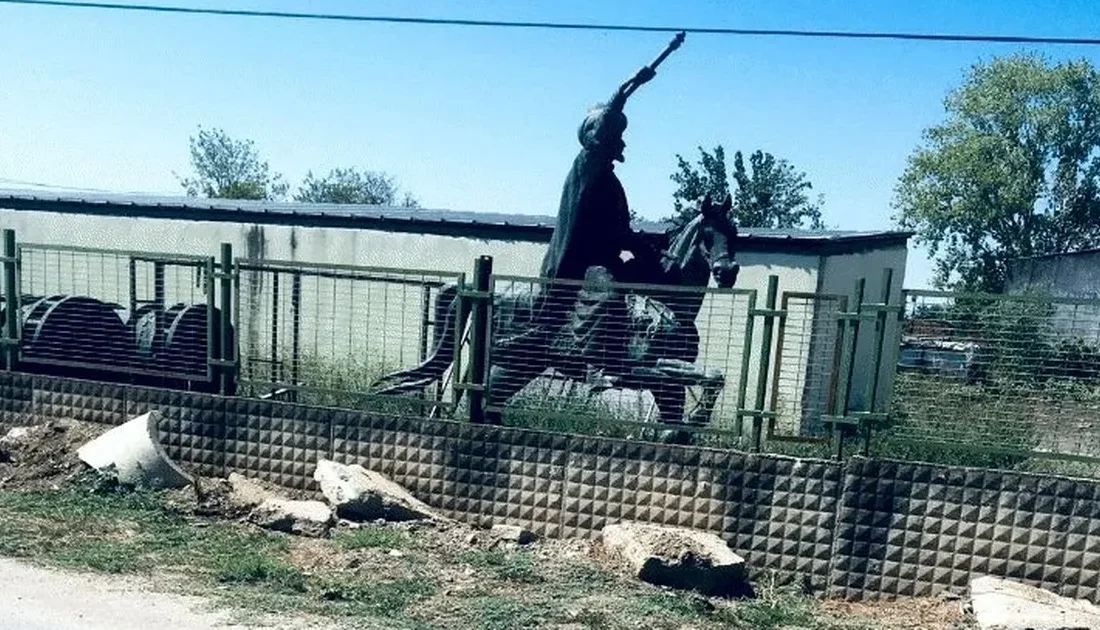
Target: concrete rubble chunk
678, 558
359, 494
16, 436
999, 604
134, 453
302, 518
512, 533
245, 493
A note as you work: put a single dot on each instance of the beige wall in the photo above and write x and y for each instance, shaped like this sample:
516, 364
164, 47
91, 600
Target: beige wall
840, 276
376, 325
723, 345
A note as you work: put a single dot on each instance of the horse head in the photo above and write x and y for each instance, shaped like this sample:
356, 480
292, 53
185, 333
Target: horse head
703, 247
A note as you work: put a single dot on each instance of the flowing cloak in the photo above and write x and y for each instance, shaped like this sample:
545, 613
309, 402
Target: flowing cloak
593, 221
593, 228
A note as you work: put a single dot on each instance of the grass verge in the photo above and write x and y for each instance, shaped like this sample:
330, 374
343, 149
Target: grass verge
377, 576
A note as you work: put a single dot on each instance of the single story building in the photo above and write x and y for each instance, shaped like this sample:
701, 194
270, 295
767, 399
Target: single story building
815, 268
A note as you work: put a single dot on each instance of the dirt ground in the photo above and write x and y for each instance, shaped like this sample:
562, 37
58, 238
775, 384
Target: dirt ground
36, 598
419, 574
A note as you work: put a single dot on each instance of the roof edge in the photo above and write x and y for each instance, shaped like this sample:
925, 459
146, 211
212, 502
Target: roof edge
375, 218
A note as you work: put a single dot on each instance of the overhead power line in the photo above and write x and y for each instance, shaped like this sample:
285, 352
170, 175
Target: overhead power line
999, 39
59, 188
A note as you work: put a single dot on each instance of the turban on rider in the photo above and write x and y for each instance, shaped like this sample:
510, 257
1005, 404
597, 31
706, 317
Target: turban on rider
593, 215
603, 128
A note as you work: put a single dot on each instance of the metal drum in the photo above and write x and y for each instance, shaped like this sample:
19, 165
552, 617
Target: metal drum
77, 330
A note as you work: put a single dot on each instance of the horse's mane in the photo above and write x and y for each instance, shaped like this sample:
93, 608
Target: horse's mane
682, 238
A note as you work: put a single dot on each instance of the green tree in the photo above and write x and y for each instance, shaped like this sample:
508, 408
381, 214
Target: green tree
226, 168
1013, 171
350, 186
769, 194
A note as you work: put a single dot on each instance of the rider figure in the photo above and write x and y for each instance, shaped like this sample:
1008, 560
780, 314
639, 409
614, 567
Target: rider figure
593, 224
591, 234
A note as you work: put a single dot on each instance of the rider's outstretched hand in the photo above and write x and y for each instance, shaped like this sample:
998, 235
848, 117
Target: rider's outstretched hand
644, 75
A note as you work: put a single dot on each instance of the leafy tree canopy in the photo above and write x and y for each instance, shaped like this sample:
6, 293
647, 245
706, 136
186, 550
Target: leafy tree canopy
1013, 171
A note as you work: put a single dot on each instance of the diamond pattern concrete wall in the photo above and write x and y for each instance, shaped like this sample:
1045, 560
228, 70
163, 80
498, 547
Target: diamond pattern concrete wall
192, 426
481, 475
276, 442
913, 529
16, 399
862, 529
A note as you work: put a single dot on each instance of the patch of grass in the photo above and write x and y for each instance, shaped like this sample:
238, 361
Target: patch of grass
105, 557
505, 566
255, 571
773, 613
947, 422
373, 537
589, 576
342, 383
595, 619
385, 599
779, 608
506, 613
674, 604
252, 567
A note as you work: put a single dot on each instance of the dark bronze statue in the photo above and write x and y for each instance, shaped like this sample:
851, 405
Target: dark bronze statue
593, 224
591, 233
576, 321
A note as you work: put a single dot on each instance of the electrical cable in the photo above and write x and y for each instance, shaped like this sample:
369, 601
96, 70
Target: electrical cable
1001, 39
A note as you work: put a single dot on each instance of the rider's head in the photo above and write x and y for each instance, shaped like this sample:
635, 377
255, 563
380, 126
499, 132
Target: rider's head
602, 131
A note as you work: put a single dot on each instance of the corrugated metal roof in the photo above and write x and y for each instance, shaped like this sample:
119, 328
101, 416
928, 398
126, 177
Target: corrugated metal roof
249, 210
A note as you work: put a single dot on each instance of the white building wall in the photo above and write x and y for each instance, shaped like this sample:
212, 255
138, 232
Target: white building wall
840, 274
378, 323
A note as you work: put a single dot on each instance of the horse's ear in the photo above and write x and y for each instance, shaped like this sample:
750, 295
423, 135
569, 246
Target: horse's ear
705, 203
727, 204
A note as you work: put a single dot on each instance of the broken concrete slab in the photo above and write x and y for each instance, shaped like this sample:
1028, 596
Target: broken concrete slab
302, 518
999, 604
135, 452
245, 493
512, 533
359, 494
16, 436
677, 557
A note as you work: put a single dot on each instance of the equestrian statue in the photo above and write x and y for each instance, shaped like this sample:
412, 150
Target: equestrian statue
610, 307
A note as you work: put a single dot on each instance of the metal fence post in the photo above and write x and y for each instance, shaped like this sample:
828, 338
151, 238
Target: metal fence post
228, 351
295, 334
849, 337
857, 303
213, 341
479, 338
11, 302
841, 361
769, 315
880, 335
460, 317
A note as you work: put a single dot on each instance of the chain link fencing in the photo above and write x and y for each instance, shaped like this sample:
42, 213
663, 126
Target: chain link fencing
143, 317
327, 334
997, 380
617, 359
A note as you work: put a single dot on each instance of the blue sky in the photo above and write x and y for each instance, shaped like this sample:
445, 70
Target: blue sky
485, 119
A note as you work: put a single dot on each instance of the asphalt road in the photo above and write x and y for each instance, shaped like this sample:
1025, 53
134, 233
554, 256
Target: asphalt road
32, 598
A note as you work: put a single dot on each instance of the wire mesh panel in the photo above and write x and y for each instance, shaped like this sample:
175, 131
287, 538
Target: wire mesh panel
807, 361
993, 380
331, 334
615, 359
105, 314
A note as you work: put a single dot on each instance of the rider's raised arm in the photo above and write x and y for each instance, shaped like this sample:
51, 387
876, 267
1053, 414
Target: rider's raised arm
643, 76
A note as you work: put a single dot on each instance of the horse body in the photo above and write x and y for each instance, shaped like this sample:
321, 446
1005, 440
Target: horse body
651, 345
